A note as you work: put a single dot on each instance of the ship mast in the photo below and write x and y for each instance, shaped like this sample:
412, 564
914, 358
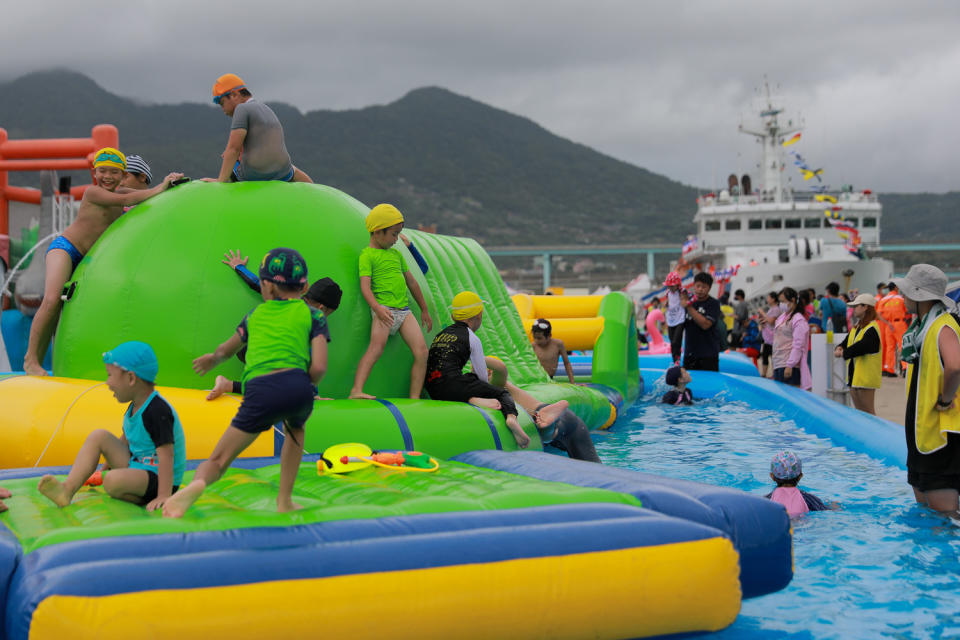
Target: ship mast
771, 139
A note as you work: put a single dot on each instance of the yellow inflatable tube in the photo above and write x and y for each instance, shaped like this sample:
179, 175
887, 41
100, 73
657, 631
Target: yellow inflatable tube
51, 418
551, 307
576, 333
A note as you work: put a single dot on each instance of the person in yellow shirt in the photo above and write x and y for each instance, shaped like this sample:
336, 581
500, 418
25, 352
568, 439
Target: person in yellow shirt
931, 348
861, 348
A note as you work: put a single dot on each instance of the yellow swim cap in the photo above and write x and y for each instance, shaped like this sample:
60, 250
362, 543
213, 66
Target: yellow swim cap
466, 304
110, 157
383, 216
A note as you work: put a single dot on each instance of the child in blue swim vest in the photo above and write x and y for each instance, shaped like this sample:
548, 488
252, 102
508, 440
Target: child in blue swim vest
146, 464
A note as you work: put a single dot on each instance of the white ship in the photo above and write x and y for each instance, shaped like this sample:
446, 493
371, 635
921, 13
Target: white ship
773, 237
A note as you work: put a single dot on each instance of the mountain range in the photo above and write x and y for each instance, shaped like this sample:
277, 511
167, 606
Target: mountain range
442, 158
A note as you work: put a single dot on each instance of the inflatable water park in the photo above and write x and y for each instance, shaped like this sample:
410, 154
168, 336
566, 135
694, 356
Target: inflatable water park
477, 539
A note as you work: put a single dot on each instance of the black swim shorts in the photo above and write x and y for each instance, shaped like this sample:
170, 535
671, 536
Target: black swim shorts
284, 396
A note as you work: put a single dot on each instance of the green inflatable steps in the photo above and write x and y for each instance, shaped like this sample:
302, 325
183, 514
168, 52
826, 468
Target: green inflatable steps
156, 275
245, 498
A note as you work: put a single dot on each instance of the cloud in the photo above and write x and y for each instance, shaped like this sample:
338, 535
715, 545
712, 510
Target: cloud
661, 85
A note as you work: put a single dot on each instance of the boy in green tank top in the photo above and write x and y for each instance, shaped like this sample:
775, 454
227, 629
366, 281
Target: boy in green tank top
286, 356
384, 280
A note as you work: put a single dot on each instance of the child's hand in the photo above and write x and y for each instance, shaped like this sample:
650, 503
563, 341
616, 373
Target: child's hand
384, 315
426, 320
838, 352
233, 259
170, 178
405, 239
204, 363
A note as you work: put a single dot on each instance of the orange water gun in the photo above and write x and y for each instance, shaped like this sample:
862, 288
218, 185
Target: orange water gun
95, 480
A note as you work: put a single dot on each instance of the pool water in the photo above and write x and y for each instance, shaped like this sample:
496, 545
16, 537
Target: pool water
879, 567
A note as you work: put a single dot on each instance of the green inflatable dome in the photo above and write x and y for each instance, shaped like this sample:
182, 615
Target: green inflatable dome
156, 275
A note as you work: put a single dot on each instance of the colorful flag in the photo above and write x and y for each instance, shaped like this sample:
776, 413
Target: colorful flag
790, 141
825, 198
815, 173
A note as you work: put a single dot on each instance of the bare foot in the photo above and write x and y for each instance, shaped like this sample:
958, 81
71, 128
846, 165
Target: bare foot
54, 490
177, 504
221, 386
546, 416
33, 369
523, 440
3, 507
287, 505
360, 395
486, 403
5, 493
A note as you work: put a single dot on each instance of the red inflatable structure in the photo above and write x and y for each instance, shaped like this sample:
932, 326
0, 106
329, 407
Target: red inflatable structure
56, 154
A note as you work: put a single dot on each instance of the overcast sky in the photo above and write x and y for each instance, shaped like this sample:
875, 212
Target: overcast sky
662, 85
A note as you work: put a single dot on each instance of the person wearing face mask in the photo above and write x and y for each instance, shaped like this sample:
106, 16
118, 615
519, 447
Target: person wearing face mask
862, 349
790, 342
931, 349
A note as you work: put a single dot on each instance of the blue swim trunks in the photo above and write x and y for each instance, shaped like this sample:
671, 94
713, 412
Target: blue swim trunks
63, 244
235, 176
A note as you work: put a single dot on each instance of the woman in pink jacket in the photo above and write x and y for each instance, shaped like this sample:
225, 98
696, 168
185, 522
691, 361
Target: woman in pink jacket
791, 342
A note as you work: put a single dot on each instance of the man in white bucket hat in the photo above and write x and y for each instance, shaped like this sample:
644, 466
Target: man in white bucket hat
931, 348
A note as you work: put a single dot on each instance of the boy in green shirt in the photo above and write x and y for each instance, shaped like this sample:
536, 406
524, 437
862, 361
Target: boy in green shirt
286, 356
384, 280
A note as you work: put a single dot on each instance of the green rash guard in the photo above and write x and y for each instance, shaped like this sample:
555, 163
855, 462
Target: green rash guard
278, 335
385, 268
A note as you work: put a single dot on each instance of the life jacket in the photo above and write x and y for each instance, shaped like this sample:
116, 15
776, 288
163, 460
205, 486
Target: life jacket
866, 368
932, 426
791, 499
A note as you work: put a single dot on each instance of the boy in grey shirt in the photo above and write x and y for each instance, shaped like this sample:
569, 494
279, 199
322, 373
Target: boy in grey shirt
256, 149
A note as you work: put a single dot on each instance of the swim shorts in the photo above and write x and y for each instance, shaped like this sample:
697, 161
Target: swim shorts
153, 485
399, 315
235, 176
60, 242
285, 396
933, 481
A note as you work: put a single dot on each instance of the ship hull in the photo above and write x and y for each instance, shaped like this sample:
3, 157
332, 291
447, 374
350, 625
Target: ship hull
758, 280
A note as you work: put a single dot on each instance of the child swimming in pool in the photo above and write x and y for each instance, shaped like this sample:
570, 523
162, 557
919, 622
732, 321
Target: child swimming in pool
146, 464
786, 469
678, 378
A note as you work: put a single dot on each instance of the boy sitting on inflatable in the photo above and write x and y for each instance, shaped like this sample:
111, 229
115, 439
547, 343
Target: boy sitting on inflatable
384, 280
102, 204
286, 356
146, 464
458, 344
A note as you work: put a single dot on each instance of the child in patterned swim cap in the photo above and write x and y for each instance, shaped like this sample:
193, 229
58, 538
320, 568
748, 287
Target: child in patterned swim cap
786, 469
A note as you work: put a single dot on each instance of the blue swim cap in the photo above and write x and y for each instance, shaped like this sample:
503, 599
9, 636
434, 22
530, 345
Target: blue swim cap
136, 357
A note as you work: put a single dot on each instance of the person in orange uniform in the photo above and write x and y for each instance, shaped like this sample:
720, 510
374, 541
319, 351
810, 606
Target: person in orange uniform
892, 309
